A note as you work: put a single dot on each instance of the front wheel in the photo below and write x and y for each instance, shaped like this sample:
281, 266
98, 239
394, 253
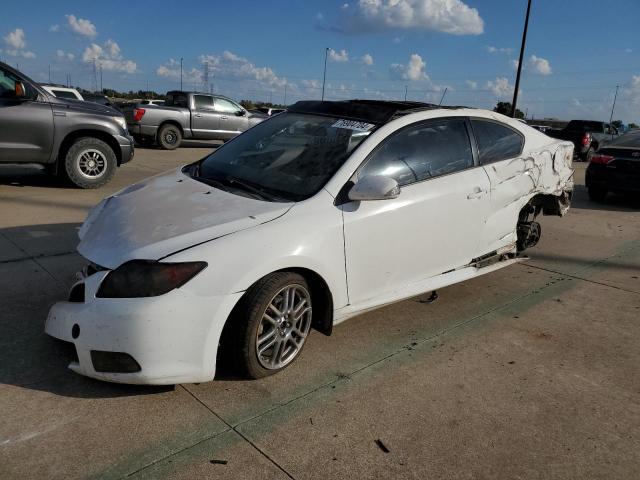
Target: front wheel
90, 163
270, 325
169, 137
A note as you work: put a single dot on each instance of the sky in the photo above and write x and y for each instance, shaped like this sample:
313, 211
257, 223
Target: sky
577, 50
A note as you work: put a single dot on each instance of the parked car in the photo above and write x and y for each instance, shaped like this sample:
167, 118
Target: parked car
189, 115
97, 98
152, 102
541, 128
615, 167
61, 91
82, 140
587, 136
268, 110
318, 214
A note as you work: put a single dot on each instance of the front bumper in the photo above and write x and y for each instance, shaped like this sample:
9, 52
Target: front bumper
173, 337
126, 148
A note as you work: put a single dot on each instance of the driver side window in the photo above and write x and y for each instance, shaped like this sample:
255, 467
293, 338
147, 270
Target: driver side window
421, 152
225, 106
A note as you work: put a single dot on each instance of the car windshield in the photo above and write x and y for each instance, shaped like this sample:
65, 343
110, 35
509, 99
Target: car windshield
288, 157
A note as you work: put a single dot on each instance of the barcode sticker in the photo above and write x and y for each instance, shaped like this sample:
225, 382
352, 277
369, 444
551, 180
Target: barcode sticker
353, 125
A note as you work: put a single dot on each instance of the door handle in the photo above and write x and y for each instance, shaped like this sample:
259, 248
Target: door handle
198, 115
477, 193
224, 117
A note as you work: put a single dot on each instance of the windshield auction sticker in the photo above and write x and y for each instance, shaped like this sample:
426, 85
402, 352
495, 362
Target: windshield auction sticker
353, 125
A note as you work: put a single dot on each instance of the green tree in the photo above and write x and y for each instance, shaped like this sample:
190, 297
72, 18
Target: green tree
618, 124
505, 109
633, 125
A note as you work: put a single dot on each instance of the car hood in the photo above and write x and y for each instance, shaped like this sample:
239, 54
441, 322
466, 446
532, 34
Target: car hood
164, 214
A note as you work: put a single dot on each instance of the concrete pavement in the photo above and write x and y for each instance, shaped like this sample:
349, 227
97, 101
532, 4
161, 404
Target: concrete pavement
529, 372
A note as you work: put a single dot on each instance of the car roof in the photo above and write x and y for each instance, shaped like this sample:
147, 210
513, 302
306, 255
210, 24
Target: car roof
369, 111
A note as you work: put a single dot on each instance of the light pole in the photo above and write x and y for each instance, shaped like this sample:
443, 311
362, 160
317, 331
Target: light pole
324, 75
613, 107
405, 92
445, 92
180, 73
524, 41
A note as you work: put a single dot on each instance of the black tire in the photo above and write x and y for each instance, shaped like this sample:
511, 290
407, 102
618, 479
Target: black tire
78, 166
239, 340
169, 137
597, 194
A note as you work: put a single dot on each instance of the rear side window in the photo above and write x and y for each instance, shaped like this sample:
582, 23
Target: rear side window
177, 100
496, 142
421, 152
203, 102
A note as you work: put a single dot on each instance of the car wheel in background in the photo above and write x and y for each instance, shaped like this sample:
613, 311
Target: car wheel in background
597, 194
169, 137
90, 163
270, 325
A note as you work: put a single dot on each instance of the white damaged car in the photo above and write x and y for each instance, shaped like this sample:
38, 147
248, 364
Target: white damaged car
311, 217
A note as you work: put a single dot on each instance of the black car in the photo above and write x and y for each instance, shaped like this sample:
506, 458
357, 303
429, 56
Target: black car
615, 167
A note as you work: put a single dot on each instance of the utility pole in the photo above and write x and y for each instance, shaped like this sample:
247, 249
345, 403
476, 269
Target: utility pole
94, 84
180, 73
445, 92
524, 41
405, 92
324, 75
205, 78
100, 78
614, 105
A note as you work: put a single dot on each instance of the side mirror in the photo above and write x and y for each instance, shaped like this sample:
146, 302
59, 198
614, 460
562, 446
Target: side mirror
241, 113
374, 187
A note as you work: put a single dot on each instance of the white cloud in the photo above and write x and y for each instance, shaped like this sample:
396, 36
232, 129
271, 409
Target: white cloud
471, 84
81, 26
539, 65
341, 56
227, 66
448, 16
628, 50
54, 28
108, 57
492, 49
16, 39
65, 55
514, 64
17, 43
367, 59
414, 70
397, 40
500, 87
319, 16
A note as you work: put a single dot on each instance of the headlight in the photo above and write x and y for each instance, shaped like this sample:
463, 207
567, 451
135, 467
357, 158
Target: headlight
122, 122
147, 278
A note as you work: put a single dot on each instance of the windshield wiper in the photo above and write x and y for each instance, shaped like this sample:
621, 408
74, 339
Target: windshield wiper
232, 181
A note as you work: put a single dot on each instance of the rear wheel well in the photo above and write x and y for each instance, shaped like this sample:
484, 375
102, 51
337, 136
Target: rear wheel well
100, 135
170, 122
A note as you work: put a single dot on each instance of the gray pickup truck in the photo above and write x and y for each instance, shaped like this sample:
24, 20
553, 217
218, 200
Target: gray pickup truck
83, 141
587, 136
194, 115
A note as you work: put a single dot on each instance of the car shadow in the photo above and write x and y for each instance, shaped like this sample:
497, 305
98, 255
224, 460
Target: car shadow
186, 144
39, 274
30, 175
613, 202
